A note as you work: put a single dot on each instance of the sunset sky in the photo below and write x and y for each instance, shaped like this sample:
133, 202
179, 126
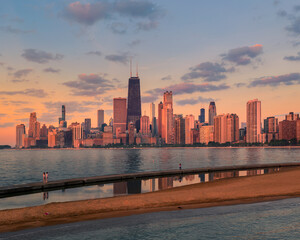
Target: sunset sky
77, 53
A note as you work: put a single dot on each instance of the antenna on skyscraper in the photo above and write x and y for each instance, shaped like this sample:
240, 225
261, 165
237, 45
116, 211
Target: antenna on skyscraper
137, 68
130, 66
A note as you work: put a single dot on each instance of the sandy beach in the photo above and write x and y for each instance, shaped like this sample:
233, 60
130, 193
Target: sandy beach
251, 189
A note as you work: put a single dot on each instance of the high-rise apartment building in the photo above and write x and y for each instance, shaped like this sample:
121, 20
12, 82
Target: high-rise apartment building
202, 115
160, 108
145, 125
119, 114
32, 123
152, 112
167, 118
189, 124
20, 132
212, 112
87, 126
134, 102
44, 132
76, 134
253, 120
292, 116
206, 134
100, 118
287, 130
179, 130
226, 128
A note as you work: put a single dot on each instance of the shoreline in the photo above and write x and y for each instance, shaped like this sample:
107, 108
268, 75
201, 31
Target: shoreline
211, 194
164, 147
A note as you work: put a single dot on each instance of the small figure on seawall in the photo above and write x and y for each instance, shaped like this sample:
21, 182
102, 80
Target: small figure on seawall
179, 166
44, 177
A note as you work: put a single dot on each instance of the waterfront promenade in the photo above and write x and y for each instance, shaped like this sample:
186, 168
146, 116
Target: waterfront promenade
279, 185
20, 189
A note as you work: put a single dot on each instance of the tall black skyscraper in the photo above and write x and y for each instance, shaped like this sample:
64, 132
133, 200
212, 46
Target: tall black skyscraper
134, 101
212, 113
63, 117
202, 115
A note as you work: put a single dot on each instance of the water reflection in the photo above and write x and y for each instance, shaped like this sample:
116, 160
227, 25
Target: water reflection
136, 186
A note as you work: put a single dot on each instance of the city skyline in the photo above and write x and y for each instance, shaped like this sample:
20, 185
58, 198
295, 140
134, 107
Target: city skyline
200, 57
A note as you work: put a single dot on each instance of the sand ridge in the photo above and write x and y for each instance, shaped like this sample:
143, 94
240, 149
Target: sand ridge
221, 192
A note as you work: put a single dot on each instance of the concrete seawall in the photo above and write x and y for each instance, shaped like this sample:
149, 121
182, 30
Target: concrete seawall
21, 189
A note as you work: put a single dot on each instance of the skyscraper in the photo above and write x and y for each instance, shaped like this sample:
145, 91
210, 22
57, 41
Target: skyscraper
87, 126
226, 128
160, 108
271, 125
179, 130
152, 112
189, 124
145, 125
100, 118
212, 113
134, 102
167, 118
62, 121
253, 120
76, 134
32, 121
20, 131
119, 114
202, 115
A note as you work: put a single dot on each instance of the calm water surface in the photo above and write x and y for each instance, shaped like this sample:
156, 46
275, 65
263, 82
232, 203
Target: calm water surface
136, 186
24, 166
268, 220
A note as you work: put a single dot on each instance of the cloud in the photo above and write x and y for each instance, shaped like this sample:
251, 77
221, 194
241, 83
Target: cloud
294, 26
51, 70
282, 13
25, 110
97, 53
32, 92
134, 43
10, 29
293, 58
166, 78
192, 101
243, 55
238, 85
147, 26
120, 58
287, 79
8, 124
87, 14
297, 8
118, 28
90, 13
3, 114
138, 9
149, 99
22, 73
90, 85
13, 102
208, 71
183, 88
19, 80
40, 56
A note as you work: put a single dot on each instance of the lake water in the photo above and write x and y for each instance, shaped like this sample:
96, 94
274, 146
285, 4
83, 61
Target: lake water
25, 166
267, 220
134, 186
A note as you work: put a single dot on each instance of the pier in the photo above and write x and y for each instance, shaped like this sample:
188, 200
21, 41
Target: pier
21, 189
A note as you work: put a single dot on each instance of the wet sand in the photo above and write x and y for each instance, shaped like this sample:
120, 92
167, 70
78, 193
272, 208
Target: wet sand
274, 186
